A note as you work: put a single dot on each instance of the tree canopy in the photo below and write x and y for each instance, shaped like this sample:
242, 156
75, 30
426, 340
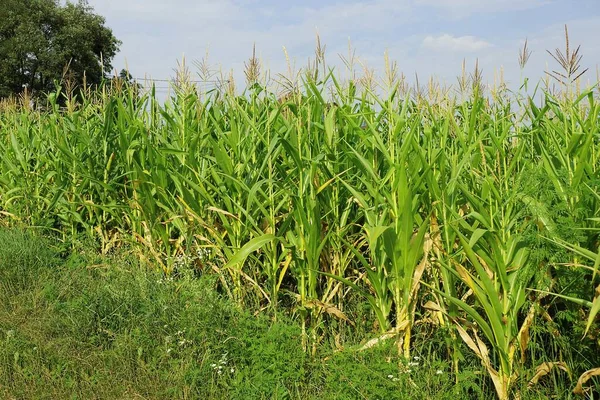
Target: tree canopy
42, 41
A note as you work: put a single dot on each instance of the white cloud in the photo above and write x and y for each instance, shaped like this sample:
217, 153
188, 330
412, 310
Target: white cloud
155, 34
464, 8
451, 43
172, 12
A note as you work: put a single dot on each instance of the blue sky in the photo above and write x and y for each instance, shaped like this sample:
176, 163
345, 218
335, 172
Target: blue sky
430, 37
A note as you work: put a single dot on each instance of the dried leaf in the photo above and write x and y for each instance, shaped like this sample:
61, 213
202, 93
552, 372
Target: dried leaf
583, 379
388, 335
523, 335
465, 276
545, 368
430, 305
423, 265
483, 350
469, 341
329, 309
218, 210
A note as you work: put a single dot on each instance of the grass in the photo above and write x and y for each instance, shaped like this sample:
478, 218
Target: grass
87, 327
360, 212
100, 327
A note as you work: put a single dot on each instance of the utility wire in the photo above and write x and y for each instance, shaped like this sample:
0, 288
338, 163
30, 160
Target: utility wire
174, 80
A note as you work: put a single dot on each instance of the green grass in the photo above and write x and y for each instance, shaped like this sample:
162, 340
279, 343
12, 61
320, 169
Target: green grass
80, 326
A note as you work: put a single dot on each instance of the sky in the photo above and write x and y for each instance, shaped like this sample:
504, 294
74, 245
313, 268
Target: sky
424, 37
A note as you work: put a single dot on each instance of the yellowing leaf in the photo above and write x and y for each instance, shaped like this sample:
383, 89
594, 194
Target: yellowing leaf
583, 379
545, 368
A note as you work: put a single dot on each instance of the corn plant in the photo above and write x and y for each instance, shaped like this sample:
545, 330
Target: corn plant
424, 201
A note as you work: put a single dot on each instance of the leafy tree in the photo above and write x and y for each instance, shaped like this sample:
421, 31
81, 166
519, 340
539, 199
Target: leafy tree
42, 41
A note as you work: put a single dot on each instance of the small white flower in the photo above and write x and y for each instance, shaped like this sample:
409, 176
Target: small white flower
169, 350
232, 370
395, 380
390, 376
220, 367
413, 364
408, 371
213, 365
416, 358
439, 372
219, 372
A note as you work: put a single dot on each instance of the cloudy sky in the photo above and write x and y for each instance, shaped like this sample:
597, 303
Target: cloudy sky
430, 37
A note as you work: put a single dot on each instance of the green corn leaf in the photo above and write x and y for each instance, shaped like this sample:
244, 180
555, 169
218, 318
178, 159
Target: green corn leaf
255, 244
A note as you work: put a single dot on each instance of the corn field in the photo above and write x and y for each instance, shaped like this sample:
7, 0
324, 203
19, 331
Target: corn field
451, 208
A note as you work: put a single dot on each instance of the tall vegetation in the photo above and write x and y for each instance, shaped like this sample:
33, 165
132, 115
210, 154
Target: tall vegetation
459, 210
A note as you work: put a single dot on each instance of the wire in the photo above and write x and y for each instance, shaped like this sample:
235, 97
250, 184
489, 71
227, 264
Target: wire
173, 80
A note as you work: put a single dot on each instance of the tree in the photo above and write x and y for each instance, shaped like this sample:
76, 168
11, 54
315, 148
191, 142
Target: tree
42, 41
